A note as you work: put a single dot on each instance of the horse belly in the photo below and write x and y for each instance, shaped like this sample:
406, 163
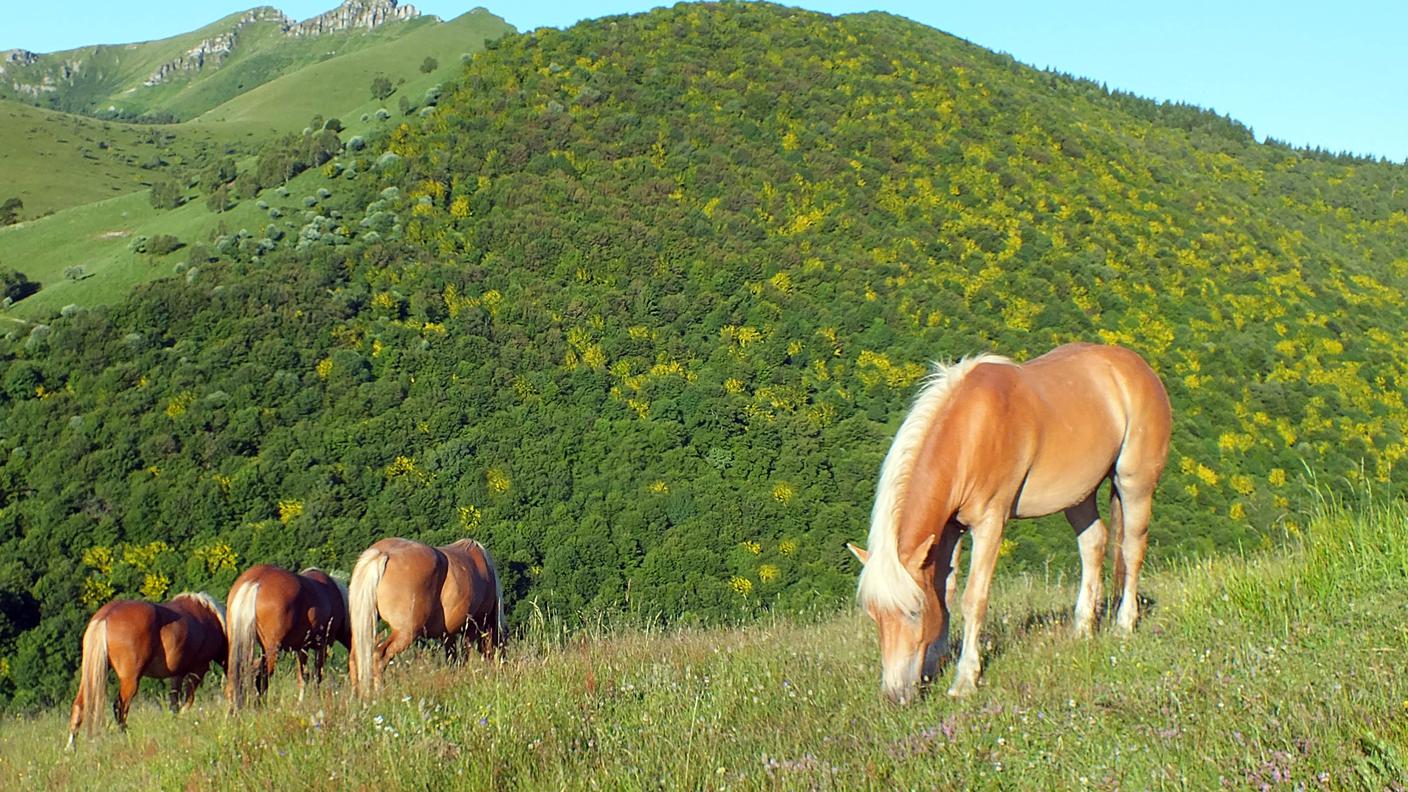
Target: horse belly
1061, 484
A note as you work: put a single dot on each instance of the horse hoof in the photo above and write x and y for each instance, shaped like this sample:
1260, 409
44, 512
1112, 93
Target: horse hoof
963, 688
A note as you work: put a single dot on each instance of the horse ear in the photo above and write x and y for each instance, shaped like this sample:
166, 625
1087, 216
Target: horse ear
860, 554
920, 554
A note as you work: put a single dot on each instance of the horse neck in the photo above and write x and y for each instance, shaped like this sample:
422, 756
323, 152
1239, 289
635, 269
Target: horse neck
933, 495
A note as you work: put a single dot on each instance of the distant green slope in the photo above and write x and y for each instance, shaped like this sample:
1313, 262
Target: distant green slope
54, 160
340, 86
642, 303
57, 161
112, 79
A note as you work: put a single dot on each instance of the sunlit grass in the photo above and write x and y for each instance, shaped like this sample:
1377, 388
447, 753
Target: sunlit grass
1284, 669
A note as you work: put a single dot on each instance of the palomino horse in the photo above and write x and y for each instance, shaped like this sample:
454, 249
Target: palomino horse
176, 640
280, 610
987, 440
446, 593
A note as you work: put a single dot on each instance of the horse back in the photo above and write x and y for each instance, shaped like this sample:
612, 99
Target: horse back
330, 602
189, 637
470, 592
1065, 420
409, 594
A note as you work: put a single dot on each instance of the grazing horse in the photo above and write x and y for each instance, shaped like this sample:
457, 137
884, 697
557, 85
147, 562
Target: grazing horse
446, 593
281, 610
176, 640
987, 440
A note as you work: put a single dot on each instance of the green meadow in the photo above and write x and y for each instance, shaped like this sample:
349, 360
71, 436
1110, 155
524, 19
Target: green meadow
1282, 670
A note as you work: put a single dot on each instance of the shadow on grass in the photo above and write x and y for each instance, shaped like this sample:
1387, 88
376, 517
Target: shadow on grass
999, 637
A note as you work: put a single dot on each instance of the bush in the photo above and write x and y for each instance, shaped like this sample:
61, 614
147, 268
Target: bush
10, 211
162, 244
429, 65
381, 87
15, 285
75, 273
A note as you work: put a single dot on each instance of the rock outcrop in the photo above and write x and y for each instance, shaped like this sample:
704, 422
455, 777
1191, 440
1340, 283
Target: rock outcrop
355, 14
214, 50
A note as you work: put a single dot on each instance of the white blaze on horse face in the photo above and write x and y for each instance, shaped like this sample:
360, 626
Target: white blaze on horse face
902, 649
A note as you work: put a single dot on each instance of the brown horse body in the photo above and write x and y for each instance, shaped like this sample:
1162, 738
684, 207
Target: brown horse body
988, 440
176, 640
446, 593
280, 610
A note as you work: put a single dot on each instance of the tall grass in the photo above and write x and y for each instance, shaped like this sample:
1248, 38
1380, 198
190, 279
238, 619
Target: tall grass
1282, 670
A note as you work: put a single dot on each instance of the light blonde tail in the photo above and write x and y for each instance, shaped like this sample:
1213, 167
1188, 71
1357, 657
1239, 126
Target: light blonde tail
93, 678
241, 630
361, 607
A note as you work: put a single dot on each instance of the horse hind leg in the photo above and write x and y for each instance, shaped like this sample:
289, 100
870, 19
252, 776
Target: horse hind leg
1136, 508
1117, 532
126, 691
302, 656
1084, 517
395, 643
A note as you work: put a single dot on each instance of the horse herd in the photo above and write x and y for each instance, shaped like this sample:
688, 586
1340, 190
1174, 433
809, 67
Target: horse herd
450, 593
986, 440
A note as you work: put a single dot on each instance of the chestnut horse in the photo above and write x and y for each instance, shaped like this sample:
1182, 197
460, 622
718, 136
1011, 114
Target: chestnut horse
302, 612
987, 440
176, 640
447, 593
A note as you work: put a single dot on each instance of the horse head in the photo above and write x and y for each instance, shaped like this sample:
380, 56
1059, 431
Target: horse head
904, 603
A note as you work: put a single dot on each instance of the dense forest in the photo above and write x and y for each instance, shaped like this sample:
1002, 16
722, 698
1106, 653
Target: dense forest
641, 303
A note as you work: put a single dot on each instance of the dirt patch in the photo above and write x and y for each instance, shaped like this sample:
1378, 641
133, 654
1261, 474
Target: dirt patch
114, 234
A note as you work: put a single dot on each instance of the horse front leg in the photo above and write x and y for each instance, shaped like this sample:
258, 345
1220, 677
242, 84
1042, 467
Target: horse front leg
987, 536
947, 557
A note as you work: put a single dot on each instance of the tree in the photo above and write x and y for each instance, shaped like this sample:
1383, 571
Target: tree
382, 87
429, 65
219, 199
10, 211
15, 285
167, 193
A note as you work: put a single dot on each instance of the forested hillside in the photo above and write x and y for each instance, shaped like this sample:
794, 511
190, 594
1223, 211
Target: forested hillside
641, 303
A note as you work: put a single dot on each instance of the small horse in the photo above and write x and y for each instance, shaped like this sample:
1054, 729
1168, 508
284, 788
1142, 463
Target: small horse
444, 593
987, 440
281, 610
176, 640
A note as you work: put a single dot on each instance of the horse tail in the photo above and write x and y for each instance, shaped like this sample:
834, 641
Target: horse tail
93, 677
241, 623
361, 613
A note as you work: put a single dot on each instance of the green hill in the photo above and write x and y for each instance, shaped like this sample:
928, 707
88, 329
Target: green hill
54, 160
641, 303
181, 77
64, 161
339, 86
1277, 671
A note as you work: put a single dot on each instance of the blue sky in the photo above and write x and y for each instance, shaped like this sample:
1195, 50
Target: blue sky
1333, 75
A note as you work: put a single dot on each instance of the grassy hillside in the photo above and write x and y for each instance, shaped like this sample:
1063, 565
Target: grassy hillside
60, 161
339, 86
1277, 671
53, 160
641, 304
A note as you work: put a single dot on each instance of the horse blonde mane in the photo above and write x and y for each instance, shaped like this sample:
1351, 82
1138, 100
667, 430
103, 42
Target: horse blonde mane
206, 601
884, 582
